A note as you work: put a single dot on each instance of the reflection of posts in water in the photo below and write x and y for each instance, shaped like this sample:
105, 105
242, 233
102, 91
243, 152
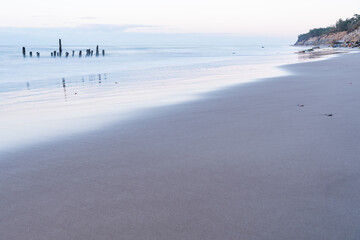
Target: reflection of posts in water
60, 48
64, 86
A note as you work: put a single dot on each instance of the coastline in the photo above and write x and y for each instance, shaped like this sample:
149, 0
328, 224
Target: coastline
247, 162
35, 111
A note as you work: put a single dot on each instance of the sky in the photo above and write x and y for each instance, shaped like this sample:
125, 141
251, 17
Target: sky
22, 21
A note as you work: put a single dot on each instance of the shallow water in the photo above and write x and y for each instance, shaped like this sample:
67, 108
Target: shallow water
44, 98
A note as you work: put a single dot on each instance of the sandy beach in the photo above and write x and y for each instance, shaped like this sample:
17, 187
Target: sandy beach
276, 159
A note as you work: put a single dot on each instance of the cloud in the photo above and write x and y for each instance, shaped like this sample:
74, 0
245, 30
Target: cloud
113, 27
151, 29
110, 34
87, 18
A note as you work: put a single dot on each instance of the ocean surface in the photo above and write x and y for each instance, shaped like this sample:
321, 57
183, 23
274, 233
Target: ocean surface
42, 99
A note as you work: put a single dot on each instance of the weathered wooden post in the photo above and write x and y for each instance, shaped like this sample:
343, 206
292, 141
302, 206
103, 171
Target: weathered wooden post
24, 52
97, 50
30, 53
80, 53
54, 54
67, 54
38, 54
60, 48
91, 53
73, 53
103, 53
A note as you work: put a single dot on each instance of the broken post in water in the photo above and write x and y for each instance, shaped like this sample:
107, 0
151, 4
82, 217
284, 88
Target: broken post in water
38, 54
80, 53
54, 54
30, 54
103, 53
60, 48
97, 50
24, 52
73, 53
67, 54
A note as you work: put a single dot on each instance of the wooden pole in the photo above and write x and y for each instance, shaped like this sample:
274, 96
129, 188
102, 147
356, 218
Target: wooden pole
38, 54
67, 54
97, 50
91, 53
52, 54
30, 53
73, 53
103, 53
60, 48
80, 53
24, 52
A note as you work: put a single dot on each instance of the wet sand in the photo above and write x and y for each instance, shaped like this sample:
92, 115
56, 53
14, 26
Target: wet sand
273, 159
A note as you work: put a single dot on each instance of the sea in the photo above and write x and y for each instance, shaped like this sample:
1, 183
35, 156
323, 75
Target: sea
46, 98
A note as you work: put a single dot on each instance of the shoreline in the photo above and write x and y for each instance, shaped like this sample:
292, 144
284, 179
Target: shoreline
59, 109
263, 160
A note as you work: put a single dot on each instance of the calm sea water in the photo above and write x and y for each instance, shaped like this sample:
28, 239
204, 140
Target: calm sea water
45, 98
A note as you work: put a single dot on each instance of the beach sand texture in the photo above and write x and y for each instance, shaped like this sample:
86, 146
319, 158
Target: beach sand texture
273, 159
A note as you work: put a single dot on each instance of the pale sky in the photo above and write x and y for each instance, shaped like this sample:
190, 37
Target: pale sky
280, 18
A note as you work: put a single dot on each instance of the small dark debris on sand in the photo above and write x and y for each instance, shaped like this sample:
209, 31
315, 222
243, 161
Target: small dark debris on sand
300, 105
329, 114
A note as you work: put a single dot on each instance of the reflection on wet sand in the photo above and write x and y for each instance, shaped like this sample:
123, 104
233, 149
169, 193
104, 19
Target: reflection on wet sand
305, 55
64, 86
74, 84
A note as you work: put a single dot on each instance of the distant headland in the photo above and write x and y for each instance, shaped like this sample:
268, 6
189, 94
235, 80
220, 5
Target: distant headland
345, 33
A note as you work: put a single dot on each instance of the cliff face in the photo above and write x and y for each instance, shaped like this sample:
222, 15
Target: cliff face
353, 36
331, 39
325, 39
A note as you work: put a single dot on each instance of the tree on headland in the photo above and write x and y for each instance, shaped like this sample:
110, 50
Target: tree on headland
349, 25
